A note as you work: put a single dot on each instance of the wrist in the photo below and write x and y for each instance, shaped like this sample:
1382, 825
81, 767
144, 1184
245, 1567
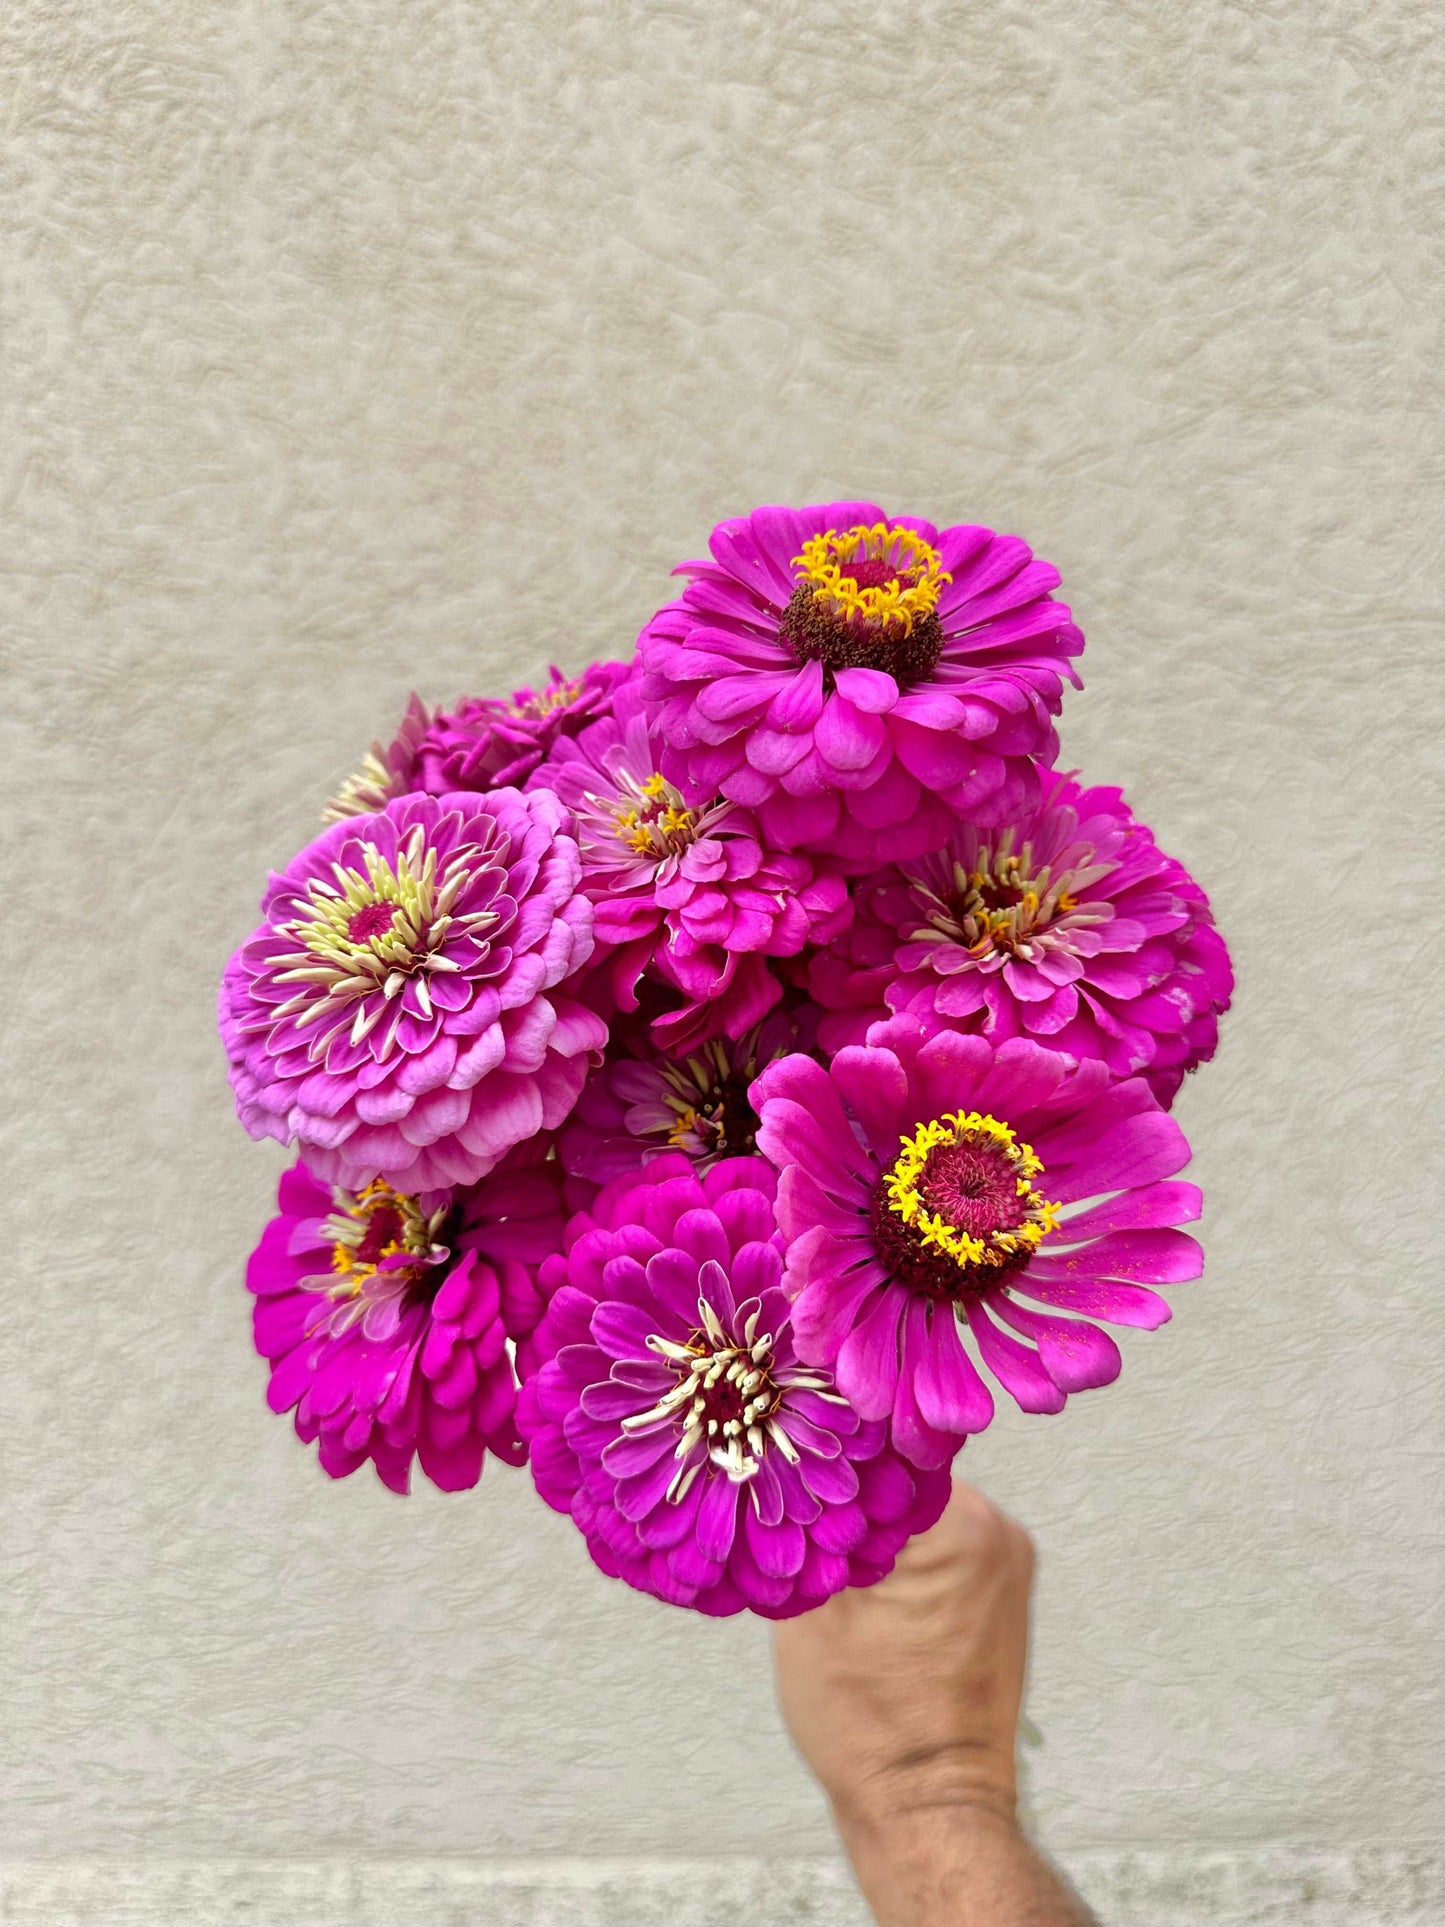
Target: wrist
926, 1798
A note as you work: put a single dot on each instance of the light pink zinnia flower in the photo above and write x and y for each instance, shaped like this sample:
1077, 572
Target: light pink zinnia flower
669, 1414
397, 1012
858, 679
385, 1317
922, 1189
1069, 925
690, 893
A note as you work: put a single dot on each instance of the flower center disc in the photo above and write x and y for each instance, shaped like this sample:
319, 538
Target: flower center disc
652, 820
958, 1209
716, 1122
723, 1401
867, 598
376, 929
557, 695
379, 1223
371, 921
1004, 903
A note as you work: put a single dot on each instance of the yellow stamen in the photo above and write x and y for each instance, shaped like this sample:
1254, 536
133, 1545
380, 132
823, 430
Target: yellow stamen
350, 1223
917, 580
933, 1230
657, 824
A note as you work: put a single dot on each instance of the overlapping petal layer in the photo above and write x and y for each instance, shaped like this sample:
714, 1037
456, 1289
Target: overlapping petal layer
685, 893
668, 1413
639, 1102
384, 1317
397, 1012
928, 1189
858, 679
1068, 924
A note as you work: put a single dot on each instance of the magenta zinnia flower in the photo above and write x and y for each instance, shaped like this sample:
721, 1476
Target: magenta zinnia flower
1069, 924
671, 1417
858, 679
493, 742
640, 1103
384, 1317
397, 1012
922, 1190
689, 892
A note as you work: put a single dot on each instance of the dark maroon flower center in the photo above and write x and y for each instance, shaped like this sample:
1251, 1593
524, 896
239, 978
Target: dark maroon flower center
1005, 903
816, 631
728, 1118
385, 1247
866, 598
876, 572
930, 1273
722, 1403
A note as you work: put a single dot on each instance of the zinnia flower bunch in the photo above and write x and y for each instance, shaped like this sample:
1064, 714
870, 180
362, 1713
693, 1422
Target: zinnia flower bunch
715, 1077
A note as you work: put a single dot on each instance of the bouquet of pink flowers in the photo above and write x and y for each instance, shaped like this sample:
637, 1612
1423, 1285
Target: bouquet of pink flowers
713, 1074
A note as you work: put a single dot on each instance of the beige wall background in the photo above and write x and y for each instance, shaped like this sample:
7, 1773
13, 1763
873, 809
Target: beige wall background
355, 347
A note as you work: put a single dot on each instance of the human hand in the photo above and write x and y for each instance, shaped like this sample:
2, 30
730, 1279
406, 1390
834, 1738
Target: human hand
904, 1699
904, 1696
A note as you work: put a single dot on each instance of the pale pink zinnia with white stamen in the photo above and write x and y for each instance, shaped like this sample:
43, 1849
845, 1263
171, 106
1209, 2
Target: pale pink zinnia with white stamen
399, 1013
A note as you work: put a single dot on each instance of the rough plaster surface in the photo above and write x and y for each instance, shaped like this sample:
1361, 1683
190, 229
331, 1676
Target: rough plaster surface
1264, 1888
350, 347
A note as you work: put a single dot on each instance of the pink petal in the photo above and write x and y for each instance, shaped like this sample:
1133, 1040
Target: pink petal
847, 738
1133, 1153
1017, 1368
892, 799
1022, 1076
939, 761
799, 705
867, 1367
1077, 1356
1169, 1203
1147, 1257
779, 1550
772, 752
947, 1073
1097, 1298
825, 1314
951, 1395
919, 1442
872, 690
873, 1085
717, 1517
792, 821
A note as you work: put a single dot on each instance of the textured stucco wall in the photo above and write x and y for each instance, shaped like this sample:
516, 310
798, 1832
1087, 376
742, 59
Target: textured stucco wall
355, 346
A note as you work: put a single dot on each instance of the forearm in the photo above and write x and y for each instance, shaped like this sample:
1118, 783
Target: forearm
956, 1866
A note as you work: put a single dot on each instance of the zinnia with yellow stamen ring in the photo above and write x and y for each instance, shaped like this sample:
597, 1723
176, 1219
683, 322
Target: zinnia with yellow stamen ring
858, 679
385, 1317
640, 1103
840, 1021
690, 894
937, 1189
483, 743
